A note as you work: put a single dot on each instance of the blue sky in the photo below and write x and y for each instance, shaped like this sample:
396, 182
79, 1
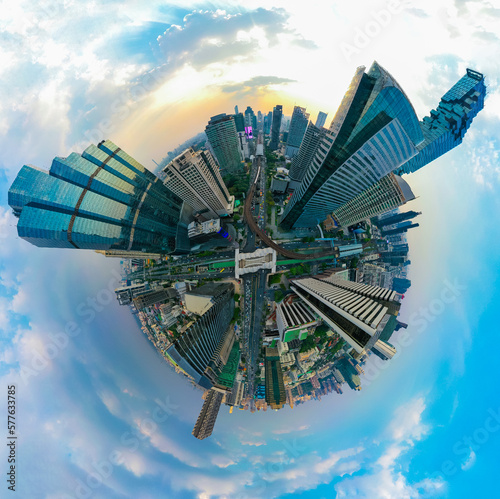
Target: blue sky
99, 405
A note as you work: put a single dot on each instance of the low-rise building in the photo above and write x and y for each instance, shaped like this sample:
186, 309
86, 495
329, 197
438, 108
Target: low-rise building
294, 320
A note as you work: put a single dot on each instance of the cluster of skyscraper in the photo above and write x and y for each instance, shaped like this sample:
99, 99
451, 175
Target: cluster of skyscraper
352, 170
105, 200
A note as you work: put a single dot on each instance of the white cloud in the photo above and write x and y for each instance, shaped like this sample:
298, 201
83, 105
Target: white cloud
285, 431
256, 443
111, 401
135, 463
167, 444
407, 425
385, 481
327, 464
469, 462
222, 461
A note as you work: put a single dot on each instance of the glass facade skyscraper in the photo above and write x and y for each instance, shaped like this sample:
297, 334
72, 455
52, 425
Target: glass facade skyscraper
396, 218
374, 132
446, 126
239, 121
250, 119
298, 125
310, 143
275, 127
102, 199
268, 119
388, 193
223, 143
321, 119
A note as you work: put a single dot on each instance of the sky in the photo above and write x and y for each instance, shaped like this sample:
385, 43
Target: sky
99, 413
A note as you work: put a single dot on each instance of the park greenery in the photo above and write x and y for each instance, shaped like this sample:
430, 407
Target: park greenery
269, 199
205, 254
274, 279
236, 314
237, 184
321, 331
270, 159
307, 344
278, 296
301, 269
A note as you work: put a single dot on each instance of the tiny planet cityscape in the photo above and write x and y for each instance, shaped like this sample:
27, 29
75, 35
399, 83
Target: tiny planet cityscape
267, 257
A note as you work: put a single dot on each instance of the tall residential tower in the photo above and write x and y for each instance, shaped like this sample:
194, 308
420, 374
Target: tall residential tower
194, 177
447, 125
208, 415
358, 313
310, 143
203, 349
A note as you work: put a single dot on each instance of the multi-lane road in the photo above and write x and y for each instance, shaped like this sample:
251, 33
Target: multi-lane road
254, 285
254, 226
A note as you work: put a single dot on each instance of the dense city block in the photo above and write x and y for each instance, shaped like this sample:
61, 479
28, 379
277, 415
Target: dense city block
267, 260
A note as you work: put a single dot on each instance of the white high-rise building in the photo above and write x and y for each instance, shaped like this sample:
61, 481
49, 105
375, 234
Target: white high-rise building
384, 350
389, 192
195, 178
360, 314
308, 147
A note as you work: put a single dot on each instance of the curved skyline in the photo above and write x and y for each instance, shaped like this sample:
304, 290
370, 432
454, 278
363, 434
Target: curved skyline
149, 77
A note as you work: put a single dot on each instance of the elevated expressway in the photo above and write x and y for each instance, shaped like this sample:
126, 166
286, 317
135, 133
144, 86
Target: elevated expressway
252, 224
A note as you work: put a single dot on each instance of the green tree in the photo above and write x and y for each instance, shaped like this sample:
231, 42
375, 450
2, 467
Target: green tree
307, 344
275, 279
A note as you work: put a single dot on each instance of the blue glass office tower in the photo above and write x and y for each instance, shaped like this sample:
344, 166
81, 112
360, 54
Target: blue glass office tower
276, 127
223, 143
374, 131
321, 119
298, 125
446, 126
267, 123
312, 139
397, 218
102, 199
